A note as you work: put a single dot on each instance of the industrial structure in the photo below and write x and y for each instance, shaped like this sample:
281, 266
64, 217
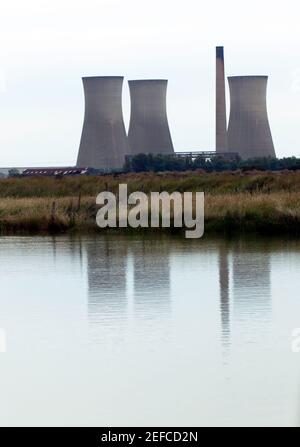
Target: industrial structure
149, 129
54, 172
103, 142
249, 132
221, 124
193, 155
105, 146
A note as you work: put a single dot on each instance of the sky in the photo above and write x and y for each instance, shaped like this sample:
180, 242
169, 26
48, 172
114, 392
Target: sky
47, 46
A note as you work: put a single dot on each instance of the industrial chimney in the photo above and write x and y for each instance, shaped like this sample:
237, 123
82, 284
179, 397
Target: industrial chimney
221, 125
103, 142
249, 132
149, 129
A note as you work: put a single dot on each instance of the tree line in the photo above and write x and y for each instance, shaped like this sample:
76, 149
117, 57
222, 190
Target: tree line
159, 163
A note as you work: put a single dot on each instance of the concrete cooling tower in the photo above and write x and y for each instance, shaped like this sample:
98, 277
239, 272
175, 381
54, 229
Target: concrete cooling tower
103, 142
249, 132
221, 125
149, 129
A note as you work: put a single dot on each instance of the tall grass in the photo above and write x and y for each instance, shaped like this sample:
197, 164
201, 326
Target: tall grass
214, 183
231, 212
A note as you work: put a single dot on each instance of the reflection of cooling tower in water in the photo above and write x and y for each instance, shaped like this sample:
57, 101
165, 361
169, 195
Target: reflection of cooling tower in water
149, 129
103, 142
151, 278
106, 260
252, 289
249, 132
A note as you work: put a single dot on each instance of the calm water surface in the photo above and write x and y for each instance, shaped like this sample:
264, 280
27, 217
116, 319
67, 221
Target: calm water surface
139, 331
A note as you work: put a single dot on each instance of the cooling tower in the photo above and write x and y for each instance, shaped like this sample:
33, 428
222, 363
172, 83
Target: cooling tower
103, 142
221, 126
149, 129
249, 132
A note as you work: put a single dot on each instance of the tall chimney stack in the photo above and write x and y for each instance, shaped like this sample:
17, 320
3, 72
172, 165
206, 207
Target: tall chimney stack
221, 127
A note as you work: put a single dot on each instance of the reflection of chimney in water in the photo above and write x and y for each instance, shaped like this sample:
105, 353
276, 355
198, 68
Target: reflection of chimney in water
224, 295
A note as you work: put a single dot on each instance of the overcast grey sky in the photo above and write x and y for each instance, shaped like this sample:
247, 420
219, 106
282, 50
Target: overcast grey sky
47, 46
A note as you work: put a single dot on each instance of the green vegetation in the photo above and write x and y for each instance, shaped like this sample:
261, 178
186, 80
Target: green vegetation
263, 202
215, 183
159, 163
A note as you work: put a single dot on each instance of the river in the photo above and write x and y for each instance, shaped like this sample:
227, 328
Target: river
149, 331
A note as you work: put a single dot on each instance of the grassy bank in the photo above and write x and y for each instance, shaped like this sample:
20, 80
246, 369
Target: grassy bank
265, 203
225, 182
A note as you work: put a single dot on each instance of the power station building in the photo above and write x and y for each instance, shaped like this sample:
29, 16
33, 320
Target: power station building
149, 129
104, 142
249, 132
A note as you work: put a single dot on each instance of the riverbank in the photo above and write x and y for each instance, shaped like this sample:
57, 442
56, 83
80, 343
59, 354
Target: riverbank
223, 182
264, 203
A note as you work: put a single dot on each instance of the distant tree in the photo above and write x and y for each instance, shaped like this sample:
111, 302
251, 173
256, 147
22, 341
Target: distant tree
13, 173
159, 163
139, 163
